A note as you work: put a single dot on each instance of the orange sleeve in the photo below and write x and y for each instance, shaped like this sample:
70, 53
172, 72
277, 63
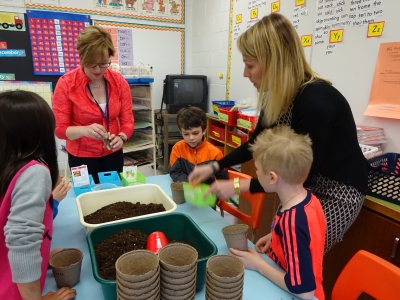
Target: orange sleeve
62, 109
126, 118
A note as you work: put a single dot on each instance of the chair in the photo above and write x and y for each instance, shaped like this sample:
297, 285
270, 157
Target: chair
366, 272
256, 200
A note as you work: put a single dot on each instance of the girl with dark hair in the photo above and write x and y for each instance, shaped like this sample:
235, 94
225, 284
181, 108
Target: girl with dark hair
28, 173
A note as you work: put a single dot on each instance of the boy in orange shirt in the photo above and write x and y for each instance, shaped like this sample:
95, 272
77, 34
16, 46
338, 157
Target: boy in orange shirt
193, 149
296, 242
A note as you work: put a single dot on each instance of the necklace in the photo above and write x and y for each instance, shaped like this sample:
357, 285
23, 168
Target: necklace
96, 86
283, 206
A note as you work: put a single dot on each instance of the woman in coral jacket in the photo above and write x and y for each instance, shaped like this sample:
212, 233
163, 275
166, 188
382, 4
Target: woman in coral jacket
93, 107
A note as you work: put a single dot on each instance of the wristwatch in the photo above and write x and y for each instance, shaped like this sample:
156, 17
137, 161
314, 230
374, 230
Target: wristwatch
236, 185
123, 138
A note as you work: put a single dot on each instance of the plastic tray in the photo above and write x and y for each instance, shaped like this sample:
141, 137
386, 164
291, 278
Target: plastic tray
109, 177
143, 193
83, 189
217, 104
384, 177
140, 179
177, 226
247, 122
228, 117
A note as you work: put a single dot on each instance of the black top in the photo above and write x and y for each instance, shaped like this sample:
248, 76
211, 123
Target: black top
323, 113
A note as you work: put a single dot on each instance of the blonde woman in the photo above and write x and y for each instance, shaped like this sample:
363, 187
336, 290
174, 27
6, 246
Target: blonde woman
291, 94
93, 106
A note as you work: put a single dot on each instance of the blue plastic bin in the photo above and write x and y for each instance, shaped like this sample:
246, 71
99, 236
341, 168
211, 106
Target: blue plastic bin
384, 177
110, 177
83, 189
146, 79
217, 104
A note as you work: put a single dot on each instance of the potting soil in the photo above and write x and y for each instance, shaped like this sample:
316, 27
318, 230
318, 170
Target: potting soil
122, 210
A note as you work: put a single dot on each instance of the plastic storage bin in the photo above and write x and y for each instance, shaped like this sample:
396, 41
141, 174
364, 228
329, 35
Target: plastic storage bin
217, 133
384, 177
217, 104
177, 226
236, 139
228, 117
368, 151
84, 189
140, 179
247, 122
110, 177
143, 193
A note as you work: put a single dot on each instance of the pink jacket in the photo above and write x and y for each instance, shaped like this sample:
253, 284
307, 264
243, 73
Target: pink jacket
8, 289
73, 106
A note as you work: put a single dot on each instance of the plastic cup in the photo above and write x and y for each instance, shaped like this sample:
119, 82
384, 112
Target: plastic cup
177, 192
236, 236
156, 240
66, 266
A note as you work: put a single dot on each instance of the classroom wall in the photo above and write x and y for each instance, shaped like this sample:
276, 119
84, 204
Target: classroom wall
209, 56
208, 29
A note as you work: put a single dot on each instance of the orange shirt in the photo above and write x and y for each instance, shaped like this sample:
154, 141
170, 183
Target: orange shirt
73, 106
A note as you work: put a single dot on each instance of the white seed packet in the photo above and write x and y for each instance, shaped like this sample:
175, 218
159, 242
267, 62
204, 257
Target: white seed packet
80, 176
130, 172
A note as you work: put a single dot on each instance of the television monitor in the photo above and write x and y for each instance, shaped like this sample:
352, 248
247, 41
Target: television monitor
185, 90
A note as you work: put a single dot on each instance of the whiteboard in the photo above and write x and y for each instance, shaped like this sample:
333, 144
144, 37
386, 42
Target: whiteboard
303, 17
147, 49
349, 64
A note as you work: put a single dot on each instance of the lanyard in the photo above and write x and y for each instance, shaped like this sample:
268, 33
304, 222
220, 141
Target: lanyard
105, 115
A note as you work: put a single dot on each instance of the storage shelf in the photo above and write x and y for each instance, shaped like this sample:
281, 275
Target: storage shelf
212, 138
137, 148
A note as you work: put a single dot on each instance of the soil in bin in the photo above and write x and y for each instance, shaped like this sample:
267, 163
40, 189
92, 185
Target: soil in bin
108, 251
122, 210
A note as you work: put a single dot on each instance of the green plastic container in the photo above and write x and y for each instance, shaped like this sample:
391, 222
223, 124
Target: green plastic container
140, 178
194, 195
177, 226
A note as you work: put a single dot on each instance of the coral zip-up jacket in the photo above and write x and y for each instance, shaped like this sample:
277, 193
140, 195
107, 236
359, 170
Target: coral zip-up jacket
73, 106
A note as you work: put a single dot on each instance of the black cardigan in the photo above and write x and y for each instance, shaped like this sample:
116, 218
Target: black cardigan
323, 113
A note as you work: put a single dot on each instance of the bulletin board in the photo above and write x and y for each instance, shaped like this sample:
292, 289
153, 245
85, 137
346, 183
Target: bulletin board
171, 11
43, 89
345, 36
21, 67
53, 39
147, 41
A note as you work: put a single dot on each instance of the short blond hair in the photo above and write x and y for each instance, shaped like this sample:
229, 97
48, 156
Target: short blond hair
284, 152
94, 42
275, 44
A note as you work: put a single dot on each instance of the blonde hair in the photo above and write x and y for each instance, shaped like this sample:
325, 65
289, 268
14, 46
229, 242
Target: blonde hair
284, 152
275, 44
94, 42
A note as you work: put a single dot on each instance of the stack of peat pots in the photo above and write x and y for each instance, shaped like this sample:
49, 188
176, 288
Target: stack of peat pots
138, 276
225, 278
178, 270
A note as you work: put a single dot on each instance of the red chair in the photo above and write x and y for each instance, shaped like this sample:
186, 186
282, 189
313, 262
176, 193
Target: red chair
256, 200
368, 273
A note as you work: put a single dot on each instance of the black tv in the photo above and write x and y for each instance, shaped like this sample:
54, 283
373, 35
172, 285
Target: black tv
185, 90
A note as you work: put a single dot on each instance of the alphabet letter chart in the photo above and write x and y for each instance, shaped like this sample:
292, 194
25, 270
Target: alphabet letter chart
53, 38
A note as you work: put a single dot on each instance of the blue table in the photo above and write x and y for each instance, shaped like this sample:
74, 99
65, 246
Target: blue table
69, 233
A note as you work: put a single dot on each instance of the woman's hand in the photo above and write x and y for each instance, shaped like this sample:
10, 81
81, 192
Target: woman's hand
223, 189
95, 131
200, 174
116, 142
251, 259
64, 293
263, 243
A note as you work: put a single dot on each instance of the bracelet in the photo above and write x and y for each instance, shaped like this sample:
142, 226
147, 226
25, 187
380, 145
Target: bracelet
122, 138
213, 167
236, 185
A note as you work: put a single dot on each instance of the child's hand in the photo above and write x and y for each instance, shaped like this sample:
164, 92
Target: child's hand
64, 293
251, 259
61, 190
263, 243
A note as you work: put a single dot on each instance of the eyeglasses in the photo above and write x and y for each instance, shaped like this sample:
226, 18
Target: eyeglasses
101, 65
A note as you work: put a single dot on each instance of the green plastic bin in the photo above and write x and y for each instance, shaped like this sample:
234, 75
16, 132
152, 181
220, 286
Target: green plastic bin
140, 178
177, 226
